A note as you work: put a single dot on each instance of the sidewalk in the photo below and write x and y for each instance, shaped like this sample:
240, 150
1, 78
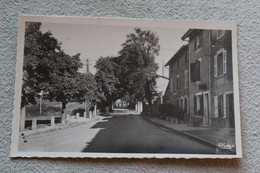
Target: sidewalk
71, 122
220, 139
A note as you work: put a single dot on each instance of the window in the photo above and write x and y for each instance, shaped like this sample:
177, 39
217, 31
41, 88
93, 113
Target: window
198, 41
220, 106
186, 79
220, 33
220, 63
195, 71
177, 82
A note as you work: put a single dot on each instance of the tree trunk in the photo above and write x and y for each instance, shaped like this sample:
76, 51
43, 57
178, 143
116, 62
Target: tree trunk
110, 107
150, 106
95, 110
63, 116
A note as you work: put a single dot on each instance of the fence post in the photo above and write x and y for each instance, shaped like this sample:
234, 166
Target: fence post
90, 114
34, 124
52, 121
85, 114
77, 115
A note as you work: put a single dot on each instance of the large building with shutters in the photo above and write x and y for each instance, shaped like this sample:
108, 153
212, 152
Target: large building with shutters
203, 86
199, 83
221, 83
177, 92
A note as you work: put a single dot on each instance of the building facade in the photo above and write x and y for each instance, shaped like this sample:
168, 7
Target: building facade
201, 78
221, 79
178, 88
199, 82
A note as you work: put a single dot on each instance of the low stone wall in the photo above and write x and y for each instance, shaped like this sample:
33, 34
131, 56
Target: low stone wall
34, 121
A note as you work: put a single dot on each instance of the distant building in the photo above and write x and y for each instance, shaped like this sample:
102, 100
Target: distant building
177, 92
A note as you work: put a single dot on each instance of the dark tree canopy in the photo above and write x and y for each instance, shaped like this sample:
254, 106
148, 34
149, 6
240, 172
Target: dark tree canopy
47, 68
107, 80
137, 57
39, 49
132, 75
87, 87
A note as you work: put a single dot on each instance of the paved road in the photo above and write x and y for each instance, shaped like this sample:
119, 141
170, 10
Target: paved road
119, 133
133, 134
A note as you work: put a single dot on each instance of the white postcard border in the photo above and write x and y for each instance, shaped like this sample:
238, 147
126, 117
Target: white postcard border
225, 25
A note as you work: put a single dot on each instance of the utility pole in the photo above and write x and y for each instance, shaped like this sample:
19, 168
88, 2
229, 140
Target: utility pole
162, 66
41, 96
87, 65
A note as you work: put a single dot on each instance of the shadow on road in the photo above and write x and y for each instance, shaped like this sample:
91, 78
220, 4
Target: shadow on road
126, 133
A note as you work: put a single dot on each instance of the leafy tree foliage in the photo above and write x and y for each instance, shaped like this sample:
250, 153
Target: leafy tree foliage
107, 81
137, 58
132, 75
87, 87
39, 49
48, 68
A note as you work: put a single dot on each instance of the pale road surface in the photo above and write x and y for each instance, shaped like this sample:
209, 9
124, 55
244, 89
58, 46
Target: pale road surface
120, 133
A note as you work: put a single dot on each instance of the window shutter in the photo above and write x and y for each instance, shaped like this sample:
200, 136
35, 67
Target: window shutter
185, 79
224, 106
192, 73
197, 71
216, 106
215, 66
177, 84
224, 61
197, 64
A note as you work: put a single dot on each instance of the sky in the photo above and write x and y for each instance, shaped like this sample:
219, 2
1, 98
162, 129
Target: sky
94, 41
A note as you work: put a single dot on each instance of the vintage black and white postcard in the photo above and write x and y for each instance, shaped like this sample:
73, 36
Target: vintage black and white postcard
126, 88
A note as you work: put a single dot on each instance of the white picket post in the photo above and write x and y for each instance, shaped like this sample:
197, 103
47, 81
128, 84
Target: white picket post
34, 124
52, 121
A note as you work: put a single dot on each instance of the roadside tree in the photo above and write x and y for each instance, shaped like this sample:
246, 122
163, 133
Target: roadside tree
107, 82
137, 58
